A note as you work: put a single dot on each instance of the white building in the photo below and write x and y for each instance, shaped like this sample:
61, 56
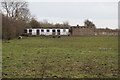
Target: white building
47, 31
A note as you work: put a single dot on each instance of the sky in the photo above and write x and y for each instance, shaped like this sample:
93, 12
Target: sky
103, 13
71, 0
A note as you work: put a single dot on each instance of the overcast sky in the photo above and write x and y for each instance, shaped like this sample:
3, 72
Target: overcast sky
103, 14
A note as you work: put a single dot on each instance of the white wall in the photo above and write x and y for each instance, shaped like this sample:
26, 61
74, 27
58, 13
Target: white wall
34, 31
45, 32
64, 33
27, 30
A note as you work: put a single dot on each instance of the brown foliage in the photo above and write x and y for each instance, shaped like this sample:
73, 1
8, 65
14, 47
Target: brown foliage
34, 23
88, 23
12, 28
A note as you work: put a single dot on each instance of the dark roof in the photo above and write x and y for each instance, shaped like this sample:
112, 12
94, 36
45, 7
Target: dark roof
49, 28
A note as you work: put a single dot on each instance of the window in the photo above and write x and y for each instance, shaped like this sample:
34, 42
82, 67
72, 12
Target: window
37, 32
48, 30
64, 30
30, 31
42, 30
25, 31
53, 30
58, 30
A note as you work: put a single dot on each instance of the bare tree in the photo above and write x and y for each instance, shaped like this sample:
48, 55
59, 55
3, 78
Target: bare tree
88, 23
16, 10
34, 23
66, 24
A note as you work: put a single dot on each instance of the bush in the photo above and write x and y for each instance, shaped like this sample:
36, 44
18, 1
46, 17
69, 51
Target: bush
12, 28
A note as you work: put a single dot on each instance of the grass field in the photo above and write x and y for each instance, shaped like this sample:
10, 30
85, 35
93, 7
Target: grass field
66, 57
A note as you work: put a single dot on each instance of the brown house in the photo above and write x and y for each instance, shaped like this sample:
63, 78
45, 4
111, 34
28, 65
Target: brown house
88, 29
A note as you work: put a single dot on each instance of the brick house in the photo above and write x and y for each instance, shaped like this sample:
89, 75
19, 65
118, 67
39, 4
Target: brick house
88, 29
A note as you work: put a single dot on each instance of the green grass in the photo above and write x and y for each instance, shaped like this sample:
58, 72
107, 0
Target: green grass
66, 57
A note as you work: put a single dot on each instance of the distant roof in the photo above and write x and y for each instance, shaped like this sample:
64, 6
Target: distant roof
106, 29
49, 28
77, 26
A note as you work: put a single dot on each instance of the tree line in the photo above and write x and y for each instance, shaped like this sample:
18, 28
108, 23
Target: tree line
16, 17
34, 23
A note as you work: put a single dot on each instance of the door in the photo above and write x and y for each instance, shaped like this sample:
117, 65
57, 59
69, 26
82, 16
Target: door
53, 32
58, 32
38, 32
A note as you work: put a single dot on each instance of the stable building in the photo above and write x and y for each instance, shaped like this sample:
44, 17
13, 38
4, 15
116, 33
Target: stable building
47, 31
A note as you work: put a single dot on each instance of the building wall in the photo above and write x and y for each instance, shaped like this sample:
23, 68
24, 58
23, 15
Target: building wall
74, 31
106, 32
82, 30
33, 31
62, 31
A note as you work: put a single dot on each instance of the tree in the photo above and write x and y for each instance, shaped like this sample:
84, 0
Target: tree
58, 25
16, 10
88, 23
66, 24
13, 28
34, 23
